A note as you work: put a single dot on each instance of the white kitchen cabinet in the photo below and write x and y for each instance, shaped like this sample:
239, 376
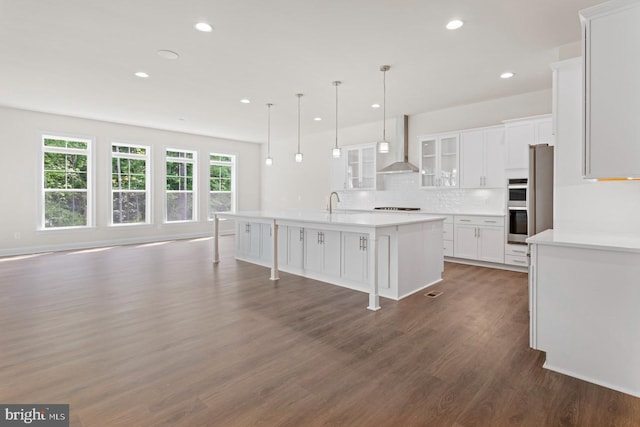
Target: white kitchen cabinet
355, 169
361, 167
482, 158
439, 161
516, 255
355, 259
295, 247
255, 242
248, 239
521, 133
611, 89
322, 251
480, 238
266, 242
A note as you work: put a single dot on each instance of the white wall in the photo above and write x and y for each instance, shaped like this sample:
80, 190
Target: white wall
286, 184
581, 205
20, 139
290, 185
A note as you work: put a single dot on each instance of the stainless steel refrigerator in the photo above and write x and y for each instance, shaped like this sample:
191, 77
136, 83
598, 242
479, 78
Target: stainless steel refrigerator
540, 191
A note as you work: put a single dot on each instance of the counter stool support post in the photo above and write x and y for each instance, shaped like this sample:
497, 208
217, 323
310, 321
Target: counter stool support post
374, 297
274, 267
216, 232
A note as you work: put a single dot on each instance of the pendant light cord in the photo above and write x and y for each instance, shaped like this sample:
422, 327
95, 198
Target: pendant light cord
384, 105
299, 96
336, 83
269, 130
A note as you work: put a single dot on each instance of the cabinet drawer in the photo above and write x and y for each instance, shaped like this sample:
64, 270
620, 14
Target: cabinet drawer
497, 221
521, 261
447, 232
516, 250
448, 248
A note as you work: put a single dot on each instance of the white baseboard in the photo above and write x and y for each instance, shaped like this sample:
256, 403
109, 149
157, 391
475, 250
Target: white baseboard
104, 243
568, 372
487, 264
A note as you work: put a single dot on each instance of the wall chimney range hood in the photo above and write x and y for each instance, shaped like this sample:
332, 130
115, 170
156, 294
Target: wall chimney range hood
402, 165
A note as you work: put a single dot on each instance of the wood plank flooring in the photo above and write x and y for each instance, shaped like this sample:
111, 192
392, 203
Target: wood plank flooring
157, 336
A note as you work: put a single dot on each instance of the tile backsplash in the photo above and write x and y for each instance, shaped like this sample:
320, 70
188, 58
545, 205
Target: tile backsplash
403, 190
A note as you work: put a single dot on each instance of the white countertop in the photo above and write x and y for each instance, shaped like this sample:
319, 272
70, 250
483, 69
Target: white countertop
427, 212
601, 241
358, 219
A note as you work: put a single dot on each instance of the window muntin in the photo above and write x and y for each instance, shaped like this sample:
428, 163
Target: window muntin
221, 183
180, 185
66, 182
129, 184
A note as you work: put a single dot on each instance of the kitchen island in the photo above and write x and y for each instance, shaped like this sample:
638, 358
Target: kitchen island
583, 299
389, 255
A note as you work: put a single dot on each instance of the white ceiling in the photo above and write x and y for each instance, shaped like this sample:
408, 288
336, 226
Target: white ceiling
78, 57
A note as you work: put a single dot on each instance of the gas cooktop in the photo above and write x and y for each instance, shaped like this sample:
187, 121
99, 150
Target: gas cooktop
395, 208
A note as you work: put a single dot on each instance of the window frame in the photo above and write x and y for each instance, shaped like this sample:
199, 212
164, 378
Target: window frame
233, 192
148, 179
194, 185
90, 190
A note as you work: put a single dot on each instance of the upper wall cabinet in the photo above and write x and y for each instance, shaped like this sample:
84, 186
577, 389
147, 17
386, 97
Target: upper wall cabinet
522, 133
439, 161
611, 114
355, 169
482, 158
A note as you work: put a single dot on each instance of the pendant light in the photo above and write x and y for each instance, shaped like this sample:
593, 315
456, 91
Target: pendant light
298, 153
269, 161
383, 146
336, 151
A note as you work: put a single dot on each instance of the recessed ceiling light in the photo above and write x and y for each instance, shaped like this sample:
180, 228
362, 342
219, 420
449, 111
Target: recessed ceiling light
507, 75
168, 54
245, 101
142, 74
375, 105
454, 24
317, 119
204, 27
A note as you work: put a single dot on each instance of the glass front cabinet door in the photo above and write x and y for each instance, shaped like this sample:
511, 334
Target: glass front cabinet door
439, 161
361, 167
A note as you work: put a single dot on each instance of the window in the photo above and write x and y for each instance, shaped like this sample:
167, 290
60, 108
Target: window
129, 184
221, 183
66, 182
181, 186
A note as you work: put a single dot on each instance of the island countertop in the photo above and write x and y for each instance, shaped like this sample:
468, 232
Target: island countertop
356, 219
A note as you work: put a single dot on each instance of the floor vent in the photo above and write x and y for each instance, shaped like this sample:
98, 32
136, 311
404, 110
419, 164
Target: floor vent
433, 294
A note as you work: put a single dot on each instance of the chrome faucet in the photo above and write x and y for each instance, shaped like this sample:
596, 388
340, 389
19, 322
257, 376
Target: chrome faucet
330, 198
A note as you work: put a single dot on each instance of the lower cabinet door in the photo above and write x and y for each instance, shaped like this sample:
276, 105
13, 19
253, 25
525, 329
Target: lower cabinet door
313, 250
295, 247
354, 257
332, 255
266, 242
491, 244
466, 242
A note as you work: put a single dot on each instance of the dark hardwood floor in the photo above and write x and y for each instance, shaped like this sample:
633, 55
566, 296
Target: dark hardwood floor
156, 335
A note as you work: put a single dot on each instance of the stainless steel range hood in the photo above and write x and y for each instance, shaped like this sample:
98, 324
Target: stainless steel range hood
402, 135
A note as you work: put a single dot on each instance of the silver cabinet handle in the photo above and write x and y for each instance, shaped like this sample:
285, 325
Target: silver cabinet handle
364, 243
464, 220
519, 261
518, 252
490, 222
301, 234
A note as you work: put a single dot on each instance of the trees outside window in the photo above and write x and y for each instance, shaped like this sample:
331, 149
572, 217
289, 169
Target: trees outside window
221, 183
180, 202
66, 182
129, 184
